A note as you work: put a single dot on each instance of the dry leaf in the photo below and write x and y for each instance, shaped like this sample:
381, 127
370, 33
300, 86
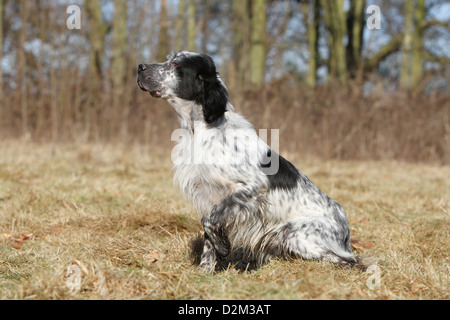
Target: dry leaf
26, 236
368, 245
20, 240
360, 246
16, 243
152, 257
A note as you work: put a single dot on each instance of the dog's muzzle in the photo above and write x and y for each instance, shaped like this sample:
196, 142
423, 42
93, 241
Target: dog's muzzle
147, 81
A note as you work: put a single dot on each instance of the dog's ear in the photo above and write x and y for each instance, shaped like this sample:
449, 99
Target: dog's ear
215, 99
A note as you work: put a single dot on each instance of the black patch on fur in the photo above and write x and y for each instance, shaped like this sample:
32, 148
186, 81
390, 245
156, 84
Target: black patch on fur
215, 101
196, 249
199, 83
286, 177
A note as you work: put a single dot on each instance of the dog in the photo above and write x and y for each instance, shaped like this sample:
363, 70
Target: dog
251, 201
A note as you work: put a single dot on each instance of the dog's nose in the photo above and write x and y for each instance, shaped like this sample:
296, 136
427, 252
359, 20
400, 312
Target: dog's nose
142, 67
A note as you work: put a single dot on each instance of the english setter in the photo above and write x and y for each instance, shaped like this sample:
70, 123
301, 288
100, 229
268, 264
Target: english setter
224, 168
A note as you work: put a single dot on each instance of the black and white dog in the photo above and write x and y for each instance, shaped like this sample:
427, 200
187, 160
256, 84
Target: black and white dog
250, 199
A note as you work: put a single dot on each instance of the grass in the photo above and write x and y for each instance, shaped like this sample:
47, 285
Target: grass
113, 213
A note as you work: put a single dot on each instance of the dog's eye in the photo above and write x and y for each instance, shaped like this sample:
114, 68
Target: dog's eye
175, 64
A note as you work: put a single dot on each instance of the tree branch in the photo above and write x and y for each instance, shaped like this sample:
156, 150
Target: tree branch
393, 46
431, 23
431, 57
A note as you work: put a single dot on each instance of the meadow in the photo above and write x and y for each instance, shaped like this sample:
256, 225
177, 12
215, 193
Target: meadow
109, 217
88, 209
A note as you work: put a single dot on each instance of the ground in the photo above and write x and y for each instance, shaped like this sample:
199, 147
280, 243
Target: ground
96, 221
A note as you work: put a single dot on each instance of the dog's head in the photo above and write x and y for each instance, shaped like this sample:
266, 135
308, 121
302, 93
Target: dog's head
189, 76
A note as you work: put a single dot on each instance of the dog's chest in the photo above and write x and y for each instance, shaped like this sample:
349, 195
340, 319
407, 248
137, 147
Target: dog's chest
211, 164
199, 173
202, 185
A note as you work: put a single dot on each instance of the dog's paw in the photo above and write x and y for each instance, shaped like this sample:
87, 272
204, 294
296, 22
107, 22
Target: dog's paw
205, 267
222, 247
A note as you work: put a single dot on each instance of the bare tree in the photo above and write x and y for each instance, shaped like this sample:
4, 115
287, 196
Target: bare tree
311, 14
335, 22
96, 36
21, 66
43, 24
355, 27
407, 45
413, 51
241, 43
179, 24
417, 54
119, 63
205, 24
163, 37
258, 42
191, 31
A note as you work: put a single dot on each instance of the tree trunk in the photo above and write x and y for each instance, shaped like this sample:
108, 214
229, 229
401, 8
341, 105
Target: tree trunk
179, 25
96, 36
43, 23
311, 14
241, 27
205, 28
335, 22
55, 88
119, 64
258, 43
405, 75
191, 34
163, 37
417, 55
21, 66
355, 24
118, 48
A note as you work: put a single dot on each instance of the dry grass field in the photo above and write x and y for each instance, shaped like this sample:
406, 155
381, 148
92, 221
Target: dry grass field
111, 217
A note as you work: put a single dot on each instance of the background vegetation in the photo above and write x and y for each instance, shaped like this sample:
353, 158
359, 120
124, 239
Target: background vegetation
312, 69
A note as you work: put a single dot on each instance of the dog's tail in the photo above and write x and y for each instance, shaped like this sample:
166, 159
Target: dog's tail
359, 262
350, 260
340, 255
364, 262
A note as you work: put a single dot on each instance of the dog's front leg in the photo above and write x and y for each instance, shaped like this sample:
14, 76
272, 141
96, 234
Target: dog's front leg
216, 235
223, 216
216, 243
236, 207
208, 258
